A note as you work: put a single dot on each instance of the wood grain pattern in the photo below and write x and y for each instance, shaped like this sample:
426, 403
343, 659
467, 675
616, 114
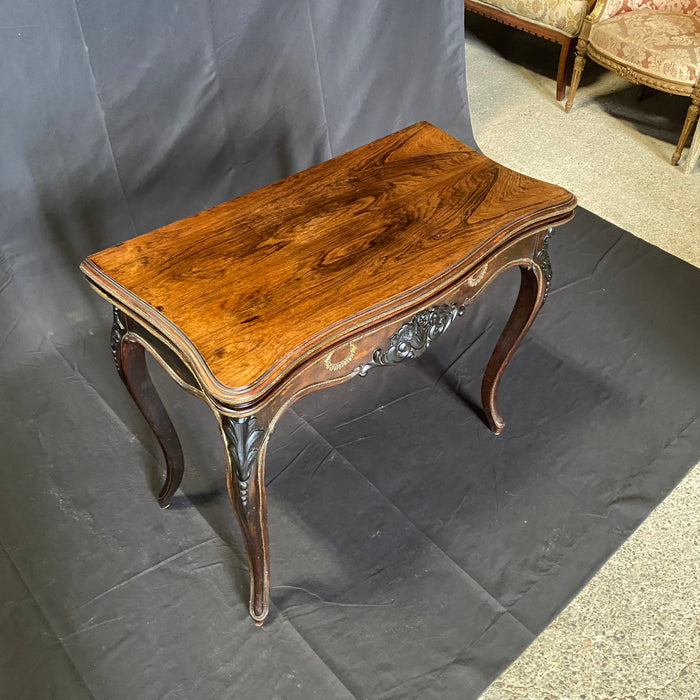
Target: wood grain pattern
251, 289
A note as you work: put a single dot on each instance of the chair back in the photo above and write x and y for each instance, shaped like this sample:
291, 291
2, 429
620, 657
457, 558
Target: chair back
615, 7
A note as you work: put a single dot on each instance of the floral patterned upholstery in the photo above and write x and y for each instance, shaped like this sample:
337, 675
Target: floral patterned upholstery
662, 43
614, 7
650, 42
567, 17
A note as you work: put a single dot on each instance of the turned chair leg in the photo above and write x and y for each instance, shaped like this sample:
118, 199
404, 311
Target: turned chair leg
130, 359
693, 153
246, 442
534, 285
691, 119
579, 64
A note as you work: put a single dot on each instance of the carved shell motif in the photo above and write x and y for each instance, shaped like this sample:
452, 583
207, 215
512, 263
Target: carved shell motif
414, 337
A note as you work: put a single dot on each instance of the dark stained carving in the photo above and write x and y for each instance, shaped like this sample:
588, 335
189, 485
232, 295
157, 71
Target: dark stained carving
414, 337
243, 438
545, 264
116, 336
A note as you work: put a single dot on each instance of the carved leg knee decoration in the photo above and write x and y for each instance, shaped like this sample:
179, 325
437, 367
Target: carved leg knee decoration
246, 442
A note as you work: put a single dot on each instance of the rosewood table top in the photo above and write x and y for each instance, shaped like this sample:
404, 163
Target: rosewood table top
251, 288
359, 262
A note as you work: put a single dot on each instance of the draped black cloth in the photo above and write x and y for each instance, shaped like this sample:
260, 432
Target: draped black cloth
414, 554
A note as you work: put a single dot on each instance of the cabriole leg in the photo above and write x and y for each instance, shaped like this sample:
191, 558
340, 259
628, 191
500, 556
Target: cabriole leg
246, 441
130, 359
534, 285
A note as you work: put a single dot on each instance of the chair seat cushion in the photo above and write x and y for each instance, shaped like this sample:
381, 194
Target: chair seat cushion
663, 44
567, 17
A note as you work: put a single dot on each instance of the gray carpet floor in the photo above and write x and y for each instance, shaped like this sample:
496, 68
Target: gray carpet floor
613, 151
632, 631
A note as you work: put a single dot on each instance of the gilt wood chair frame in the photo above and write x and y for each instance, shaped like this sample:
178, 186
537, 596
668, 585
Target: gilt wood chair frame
632, 74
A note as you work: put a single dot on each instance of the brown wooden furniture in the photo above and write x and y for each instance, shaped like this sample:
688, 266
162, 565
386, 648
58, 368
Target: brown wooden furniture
559, 22
356, 263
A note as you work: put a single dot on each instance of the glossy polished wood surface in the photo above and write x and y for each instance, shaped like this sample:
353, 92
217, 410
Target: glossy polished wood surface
254, 286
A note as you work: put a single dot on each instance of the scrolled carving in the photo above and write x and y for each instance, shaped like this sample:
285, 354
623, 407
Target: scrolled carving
543, 261
414, 337
243, 440
116, 336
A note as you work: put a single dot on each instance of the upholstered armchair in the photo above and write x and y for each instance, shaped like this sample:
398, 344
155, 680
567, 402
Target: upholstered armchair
649, 42
560, 22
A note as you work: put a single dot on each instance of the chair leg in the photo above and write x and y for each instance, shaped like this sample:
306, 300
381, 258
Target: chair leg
690, 120
579, 64
567, 50
642, 93
693, 153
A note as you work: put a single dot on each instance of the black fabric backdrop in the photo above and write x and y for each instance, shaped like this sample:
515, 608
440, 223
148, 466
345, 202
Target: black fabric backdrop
413, 553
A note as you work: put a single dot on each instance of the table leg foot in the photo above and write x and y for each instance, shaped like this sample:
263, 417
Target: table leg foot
130, 359
246, 442
533, 288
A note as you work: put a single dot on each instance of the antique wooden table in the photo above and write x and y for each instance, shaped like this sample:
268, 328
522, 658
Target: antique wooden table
356, 263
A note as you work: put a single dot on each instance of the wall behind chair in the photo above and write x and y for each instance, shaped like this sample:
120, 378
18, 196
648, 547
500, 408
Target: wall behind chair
120, 116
